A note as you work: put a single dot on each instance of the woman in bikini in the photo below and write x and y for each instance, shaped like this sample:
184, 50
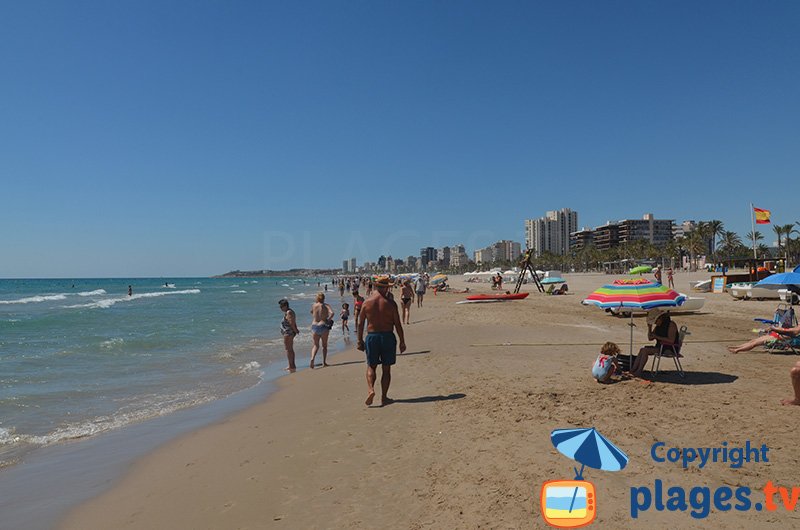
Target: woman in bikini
358, 301
406, 297
320, 327
289, 331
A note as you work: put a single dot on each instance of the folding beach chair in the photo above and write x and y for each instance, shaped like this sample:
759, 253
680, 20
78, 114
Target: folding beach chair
784, 318
672, 350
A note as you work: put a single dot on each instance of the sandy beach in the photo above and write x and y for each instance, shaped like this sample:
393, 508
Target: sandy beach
467, 442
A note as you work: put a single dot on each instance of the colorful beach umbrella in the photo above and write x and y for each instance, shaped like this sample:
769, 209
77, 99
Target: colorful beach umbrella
552, 280
634, 293
437, 279
641, 269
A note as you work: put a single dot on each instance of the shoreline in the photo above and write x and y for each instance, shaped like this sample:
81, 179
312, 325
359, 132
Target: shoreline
50, 481
466, 443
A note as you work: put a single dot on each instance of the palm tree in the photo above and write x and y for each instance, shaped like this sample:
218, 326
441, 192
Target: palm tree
728, 243
778, 232
715, 228
754, 237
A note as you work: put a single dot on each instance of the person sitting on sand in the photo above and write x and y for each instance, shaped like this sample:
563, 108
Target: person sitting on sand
795, 375
774, 333
665, 332
561, 290
606, 364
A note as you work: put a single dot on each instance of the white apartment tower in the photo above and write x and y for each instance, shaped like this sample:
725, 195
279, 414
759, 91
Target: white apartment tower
551, 232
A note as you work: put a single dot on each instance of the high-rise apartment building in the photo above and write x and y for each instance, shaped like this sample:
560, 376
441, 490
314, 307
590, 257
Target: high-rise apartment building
551, 233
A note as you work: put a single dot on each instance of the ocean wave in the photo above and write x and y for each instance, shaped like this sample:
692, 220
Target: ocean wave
97, 292
112, 343
152, 408
239, 292
251, 368
51, 297
35, 299
105, 304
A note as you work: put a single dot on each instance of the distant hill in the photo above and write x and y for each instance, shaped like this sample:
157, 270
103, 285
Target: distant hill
270, 273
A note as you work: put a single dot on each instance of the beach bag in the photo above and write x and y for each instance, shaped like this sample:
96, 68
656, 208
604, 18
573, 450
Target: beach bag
603, 367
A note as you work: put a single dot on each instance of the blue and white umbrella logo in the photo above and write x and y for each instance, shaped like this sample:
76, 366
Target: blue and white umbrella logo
590, 448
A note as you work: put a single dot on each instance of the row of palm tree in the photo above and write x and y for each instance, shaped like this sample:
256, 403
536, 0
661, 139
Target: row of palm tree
708, 239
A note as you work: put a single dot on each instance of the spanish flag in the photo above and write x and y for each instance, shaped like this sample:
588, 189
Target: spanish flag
762, 216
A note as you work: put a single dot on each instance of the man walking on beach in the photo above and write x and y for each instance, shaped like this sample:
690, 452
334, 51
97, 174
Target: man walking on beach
381, 317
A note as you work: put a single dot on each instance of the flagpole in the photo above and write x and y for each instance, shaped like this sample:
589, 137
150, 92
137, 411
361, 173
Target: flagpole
753, 233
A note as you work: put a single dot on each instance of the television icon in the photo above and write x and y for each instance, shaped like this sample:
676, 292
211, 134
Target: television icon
568, 503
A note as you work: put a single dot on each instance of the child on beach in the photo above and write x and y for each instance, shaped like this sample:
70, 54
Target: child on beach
606, 364
344, 316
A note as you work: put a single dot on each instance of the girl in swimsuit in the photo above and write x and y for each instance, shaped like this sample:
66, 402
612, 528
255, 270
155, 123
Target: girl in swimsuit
289, 331
358, 301
406, 296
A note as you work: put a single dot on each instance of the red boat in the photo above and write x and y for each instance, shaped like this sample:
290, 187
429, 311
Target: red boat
501, 296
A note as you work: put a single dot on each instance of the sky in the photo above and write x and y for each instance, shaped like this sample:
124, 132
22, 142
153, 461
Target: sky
191, 138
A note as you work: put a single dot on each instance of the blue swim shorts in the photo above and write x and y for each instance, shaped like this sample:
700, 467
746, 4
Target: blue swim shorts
381, 348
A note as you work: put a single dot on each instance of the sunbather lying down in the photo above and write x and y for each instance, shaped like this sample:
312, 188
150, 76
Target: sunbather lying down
775, 333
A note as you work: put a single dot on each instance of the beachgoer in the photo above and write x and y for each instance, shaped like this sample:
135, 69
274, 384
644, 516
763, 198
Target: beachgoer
606, 364
665, 331
406, 297
344, 315
289, 331
657, 274
320, 327
499, 282
670, 278
341, 288
795, 375
774, 333
420, 288
358, 302
130, 291
381, 318
562, 290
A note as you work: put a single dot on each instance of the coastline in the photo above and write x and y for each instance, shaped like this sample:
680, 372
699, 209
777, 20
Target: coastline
52, 480
466, 444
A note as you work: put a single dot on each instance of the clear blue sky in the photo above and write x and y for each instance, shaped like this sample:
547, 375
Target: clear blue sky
144, 138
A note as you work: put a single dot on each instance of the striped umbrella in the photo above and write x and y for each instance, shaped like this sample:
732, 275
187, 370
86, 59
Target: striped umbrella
590, 448
637, 293
634, 293
437, 279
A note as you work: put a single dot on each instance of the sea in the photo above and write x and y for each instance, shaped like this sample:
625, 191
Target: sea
80, 358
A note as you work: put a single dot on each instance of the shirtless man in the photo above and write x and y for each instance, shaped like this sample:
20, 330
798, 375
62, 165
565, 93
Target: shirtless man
381, 317
407, 297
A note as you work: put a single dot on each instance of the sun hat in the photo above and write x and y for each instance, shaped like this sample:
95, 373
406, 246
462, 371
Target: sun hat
382, 281
653, 315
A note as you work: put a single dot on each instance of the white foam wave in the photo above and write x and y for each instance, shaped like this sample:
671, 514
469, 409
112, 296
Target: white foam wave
157, 406
251, 368
51, 297
105, 304
97, 292
239, 292
35, 299
7, 437
112, 343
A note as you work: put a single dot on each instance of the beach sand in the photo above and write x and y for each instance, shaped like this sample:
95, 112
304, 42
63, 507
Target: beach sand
467, 442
